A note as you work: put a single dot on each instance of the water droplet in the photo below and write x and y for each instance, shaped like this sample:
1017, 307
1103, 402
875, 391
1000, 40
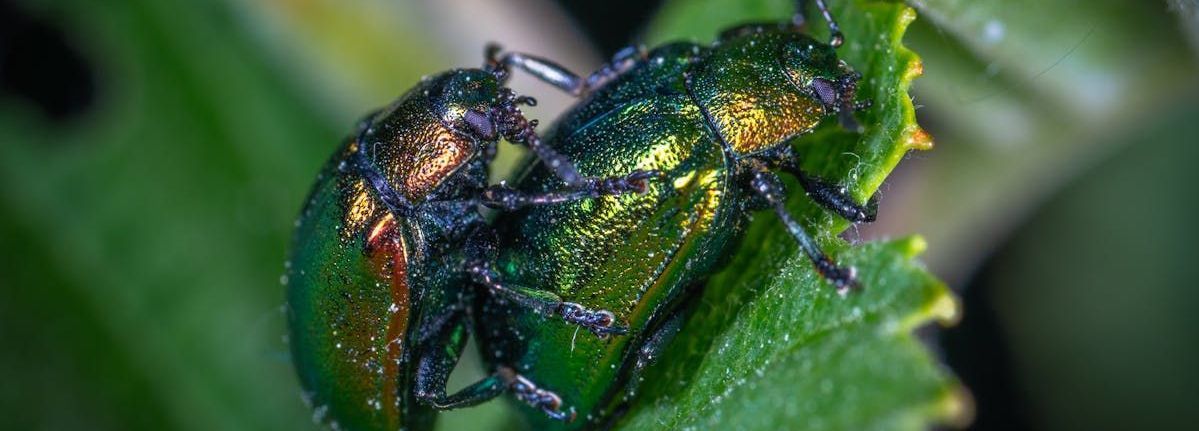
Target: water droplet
993, 32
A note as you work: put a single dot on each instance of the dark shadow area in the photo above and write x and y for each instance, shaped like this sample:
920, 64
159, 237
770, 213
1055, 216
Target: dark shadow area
38, 64
614, 24
981, 356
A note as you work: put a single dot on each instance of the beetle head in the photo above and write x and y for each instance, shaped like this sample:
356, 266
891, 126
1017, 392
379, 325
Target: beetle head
815, 70
464, 99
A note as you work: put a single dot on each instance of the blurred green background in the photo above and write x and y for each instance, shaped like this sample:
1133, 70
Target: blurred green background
154, 153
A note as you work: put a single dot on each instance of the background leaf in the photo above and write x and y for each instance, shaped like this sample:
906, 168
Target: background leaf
1028, 95
144, 236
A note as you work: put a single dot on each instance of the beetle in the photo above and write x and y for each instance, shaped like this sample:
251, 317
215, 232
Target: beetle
387, 252
716, 121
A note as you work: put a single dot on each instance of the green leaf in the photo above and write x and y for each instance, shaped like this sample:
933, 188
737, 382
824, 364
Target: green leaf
772, 346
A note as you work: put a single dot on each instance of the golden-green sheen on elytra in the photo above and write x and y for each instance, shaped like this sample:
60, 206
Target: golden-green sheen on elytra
349, 307
716, 121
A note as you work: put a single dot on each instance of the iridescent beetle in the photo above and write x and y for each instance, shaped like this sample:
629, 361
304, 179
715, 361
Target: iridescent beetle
716, 121
390, 249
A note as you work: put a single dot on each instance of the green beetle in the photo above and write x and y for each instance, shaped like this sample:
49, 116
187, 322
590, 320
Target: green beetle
716, 121
390, 249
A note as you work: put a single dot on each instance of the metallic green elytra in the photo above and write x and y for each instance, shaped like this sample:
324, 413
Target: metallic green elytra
716, 121
390, 250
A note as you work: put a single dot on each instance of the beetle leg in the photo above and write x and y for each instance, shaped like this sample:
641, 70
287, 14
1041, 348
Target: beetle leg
514, 127
517, 129
439, 354
653, 347
528, 392
474, 394
481, 250
559, 76
599, 322
492, 386
547, 71
834, 30
769, 186
503, 197
831, 196
836, 198
622, 61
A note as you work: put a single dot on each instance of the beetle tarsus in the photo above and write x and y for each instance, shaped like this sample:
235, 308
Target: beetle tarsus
843, 278
637, 182
830, 196
527, 392
599, 322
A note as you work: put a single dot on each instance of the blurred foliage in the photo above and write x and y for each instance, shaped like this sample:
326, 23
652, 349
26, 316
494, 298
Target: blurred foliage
1024, 95
1096, 294
147, 234
142, 237
1079, 321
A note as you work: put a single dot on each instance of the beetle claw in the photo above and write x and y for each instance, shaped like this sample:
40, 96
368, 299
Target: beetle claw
844, 279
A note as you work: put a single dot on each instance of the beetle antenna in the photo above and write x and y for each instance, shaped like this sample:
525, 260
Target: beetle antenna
834, 30
492, 63
525, 100
514, 127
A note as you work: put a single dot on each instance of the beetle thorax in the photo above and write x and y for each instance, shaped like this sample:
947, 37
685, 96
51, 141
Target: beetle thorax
748, 96
415, 150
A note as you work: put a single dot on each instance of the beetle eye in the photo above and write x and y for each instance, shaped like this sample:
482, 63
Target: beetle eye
825, 90
480, 124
